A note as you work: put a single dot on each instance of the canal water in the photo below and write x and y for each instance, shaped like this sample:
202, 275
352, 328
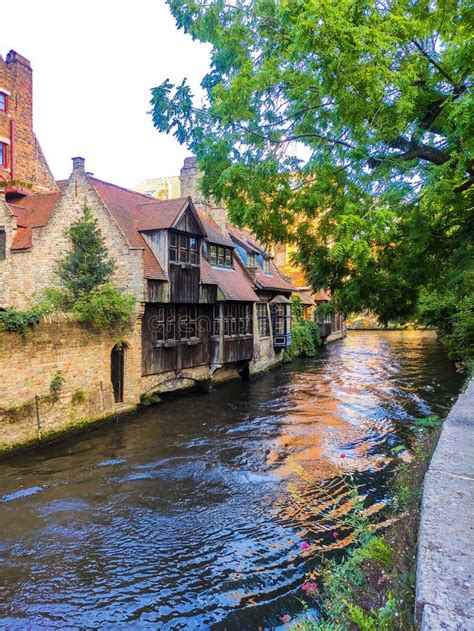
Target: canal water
193, 514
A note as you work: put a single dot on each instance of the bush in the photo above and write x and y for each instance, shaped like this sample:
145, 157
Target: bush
305, 339
13, 321
105, 307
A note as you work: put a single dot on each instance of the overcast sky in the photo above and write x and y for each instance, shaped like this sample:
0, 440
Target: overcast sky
94, 62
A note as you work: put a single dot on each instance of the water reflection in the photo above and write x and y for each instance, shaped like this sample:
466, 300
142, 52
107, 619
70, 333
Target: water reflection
192, 515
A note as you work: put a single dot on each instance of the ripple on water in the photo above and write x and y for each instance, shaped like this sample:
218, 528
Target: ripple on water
193, 514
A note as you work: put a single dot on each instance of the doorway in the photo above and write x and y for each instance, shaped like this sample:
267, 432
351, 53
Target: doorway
117, 372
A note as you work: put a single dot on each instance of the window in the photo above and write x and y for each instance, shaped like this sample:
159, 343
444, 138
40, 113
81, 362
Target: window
188, 322
216, 321
251, 260
165, 325
281, 317
262, 319
266, 266
237, 319
3, 244
3, 155
183, 248
3, 102
221, 256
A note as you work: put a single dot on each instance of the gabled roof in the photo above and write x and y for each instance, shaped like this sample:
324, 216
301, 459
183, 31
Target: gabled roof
274, 280
234, 283
246, 240
213, 232
33, 211
166, 214
123, 205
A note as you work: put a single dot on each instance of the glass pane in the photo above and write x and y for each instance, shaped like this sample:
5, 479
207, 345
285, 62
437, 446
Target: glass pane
160, 333
192, 243
183, 256
193, 257
220, 256
183, 241
228, 257
173, 239
172, 254
3, 102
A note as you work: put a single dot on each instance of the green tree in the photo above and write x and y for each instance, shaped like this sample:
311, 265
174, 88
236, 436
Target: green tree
346, 128
87, 265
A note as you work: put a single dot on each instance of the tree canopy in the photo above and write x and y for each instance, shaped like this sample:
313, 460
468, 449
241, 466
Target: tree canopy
346, 128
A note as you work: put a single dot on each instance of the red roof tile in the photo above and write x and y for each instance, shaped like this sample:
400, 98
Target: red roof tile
160, 215
274, 279
32, 211
123, 205
234, 283
214, 233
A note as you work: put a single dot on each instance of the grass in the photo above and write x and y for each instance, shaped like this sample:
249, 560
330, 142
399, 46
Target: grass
373, 588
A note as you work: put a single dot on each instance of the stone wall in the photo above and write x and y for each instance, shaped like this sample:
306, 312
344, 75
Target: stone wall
445, 568
24, 273
81, 357
26, 161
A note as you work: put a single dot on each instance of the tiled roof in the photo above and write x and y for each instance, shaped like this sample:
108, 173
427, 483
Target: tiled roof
123, 205
32, 211
214, 234
245, 239
160, 215
273, 280
234, 283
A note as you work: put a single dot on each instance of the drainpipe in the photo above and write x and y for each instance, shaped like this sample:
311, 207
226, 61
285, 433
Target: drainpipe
12, 149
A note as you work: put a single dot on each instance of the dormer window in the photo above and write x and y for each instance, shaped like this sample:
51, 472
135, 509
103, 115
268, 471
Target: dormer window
3, 155
3, 102
183, 249
220, 255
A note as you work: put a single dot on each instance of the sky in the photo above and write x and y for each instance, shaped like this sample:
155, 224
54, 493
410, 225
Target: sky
94, 63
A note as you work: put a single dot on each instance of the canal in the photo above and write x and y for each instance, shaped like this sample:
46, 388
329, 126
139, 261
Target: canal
192, 515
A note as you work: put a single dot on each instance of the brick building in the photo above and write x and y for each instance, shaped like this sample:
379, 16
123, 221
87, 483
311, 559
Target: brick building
211, 305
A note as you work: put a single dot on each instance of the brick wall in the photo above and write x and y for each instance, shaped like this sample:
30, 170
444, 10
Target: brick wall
24, 273
82, 357
16, 126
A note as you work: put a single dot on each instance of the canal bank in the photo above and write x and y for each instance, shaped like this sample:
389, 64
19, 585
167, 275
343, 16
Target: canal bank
445, 568
193, 513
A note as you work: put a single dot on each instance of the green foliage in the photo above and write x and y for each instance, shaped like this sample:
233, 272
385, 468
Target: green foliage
105, 307
428, 423
87, 265
346, 128
13, 321
380, 620
305, 339
379, 551
78, 397
56, 386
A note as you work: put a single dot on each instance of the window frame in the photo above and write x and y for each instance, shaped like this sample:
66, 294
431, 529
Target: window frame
183, 248
3, 108
220, 256
4, 147
263, 320
237, 320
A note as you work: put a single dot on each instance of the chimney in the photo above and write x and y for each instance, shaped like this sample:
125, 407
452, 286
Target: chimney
78, 165
189, 177
2, 193
15, 58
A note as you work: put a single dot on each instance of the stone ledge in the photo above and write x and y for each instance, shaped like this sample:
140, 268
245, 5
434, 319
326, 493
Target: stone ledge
445, 568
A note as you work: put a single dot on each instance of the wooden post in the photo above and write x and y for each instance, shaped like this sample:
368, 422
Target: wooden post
102, 397
38, 417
